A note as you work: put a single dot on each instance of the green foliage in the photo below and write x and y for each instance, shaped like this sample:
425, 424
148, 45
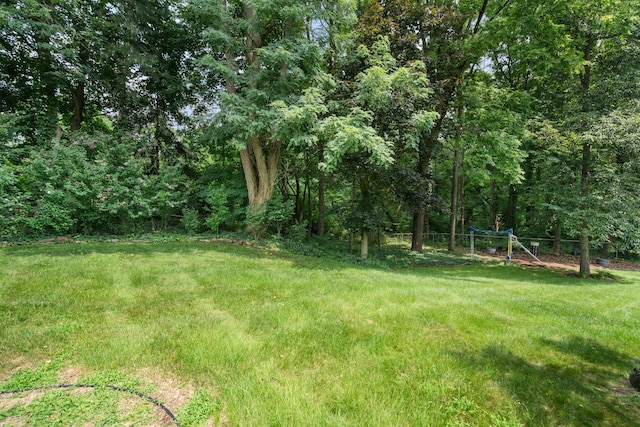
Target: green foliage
353, 135
45, 375
365, 101
217, 199
93, 183
198, 410
191, 220
272, 216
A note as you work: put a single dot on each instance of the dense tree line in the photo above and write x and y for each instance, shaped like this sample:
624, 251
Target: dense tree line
308, 117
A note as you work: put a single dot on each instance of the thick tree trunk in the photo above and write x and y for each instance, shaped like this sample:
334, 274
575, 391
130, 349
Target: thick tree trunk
364, 244
454, 203
260, 170
557, 234
424, 163
417, 238
585, 267
261, 157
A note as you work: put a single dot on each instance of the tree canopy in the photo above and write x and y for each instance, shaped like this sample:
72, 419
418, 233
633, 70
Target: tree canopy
316, 116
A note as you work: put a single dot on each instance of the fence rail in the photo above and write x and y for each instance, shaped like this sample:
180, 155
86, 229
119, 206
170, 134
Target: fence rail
464, 240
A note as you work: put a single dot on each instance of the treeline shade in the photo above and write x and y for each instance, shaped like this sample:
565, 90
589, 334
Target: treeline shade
307, 117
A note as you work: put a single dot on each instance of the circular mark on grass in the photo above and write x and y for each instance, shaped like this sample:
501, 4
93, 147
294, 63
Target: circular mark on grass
21, 404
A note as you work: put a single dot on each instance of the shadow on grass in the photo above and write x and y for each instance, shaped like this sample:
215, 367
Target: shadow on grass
318, 257
534, 275
570, 392
315, 256
134, 248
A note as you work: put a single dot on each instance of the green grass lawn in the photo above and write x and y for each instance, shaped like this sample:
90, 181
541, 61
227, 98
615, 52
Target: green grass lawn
254, 337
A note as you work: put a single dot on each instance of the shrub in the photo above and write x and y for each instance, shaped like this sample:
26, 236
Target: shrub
191, 220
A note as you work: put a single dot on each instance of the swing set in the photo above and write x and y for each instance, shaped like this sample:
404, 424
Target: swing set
511, 240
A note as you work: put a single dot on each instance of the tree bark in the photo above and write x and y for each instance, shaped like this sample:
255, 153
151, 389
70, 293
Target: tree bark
78, 107
299, 202
424, 162
260, 170
321, 191
364, 244
512, 209
462, 194
493, 214
417, 238
454, 203
585, 268
260, 158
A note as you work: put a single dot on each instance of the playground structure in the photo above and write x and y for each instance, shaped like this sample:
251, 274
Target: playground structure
511, 240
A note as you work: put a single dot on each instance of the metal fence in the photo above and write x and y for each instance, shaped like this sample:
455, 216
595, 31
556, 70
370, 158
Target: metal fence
481, 241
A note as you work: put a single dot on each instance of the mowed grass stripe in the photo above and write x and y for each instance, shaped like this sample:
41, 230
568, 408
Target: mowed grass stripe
287, 340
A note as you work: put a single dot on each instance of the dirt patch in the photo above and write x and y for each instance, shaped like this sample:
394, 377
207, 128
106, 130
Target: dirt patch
167, 390
70, 376
563, 262
10, 400
13, 422
171, 391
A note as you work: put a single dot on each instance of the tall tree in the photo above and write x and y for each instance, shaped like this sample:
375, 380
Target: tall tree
64, 60
445, 35
259, 51
561, 61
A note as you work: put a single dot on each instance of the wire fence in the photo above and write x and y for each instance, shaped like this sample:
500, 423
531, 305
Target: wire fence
481, 241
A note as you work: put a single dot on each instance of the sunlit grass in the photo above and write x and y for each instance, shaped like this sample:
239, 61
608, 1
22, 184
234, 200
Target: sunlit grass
275, 339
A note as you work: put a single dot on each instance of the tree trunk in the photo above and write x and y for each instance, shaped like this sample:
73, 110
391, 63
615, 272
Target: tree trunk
424, 160
493, 214
299, 202
585, 268
462, 194
309, 207
511, 210
260, 158
418, 230
364, 244
321, 190
454, 203
78, 107
425, 151
260, 170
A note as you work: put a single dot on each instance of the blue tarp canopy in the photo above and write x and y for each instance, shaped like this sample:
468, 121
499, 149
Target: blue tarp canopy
505, 232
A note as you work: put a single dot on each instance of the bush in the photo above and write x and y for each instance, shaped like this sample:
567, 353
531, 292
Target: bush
272, 216
217, 199
92, 183
191, 220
